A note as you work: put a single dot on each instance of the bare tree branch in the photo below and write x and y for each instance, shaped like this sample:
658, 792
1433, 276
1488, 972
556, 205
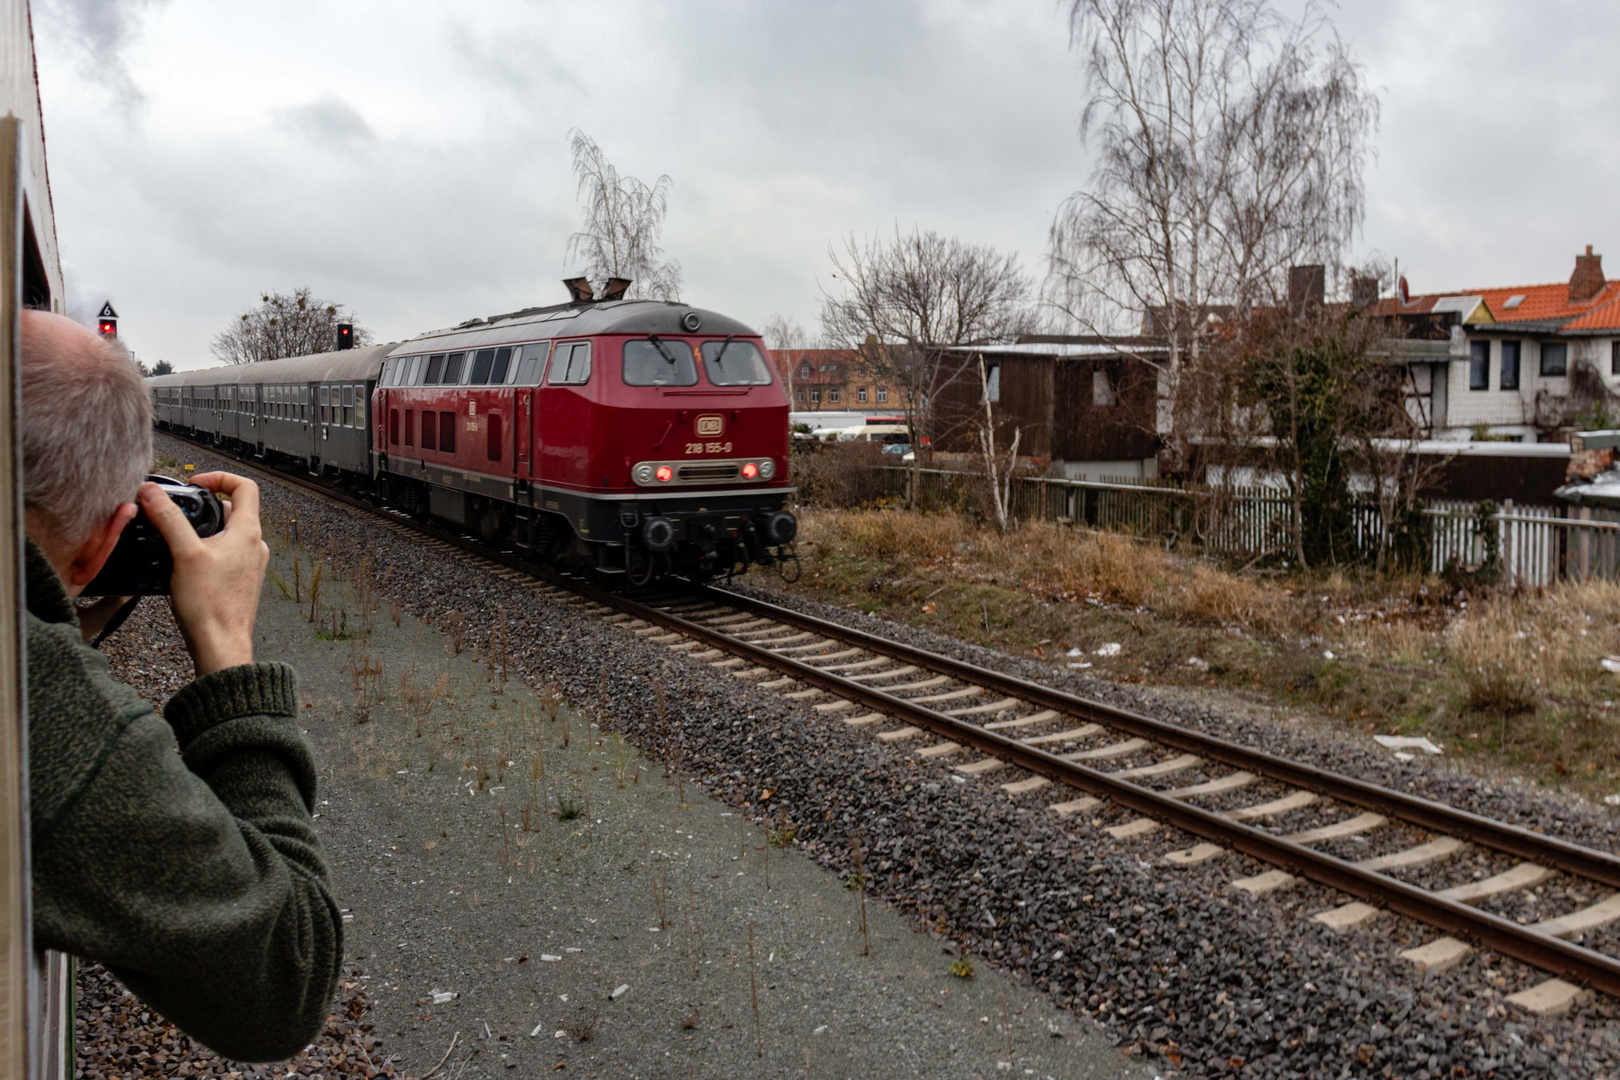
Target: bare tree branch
283, 325
623, 220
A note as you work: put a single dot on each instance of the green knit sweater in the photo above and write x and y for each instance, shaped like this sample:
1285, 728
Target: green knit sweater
178, 850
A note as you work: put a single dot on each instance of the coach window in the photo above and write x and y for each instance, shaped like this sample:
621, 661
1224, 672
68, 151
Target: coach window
452, 369
360, 406
735, 363
447, 433
494, 451
483, 360
531, 364
659, 362
326, 406
497, 371
430, 429
348, 407
435, 369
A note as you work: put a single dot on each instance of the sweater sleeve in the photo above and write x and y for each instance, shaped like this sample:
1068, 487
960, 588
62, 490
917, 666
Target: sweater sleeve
197, 876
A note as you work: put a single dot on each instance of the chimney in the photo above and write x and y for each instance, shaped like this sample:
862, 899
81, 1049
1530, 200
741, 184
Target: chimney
1306, 287
1587, 280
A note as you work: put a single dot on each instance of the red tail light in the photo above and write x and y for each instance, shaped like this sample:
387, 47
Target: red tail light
750, 471
664, 473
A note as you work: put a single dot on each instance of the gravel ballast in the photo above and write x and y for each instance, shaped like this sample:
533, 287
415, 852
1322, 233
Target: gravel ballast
1193, 975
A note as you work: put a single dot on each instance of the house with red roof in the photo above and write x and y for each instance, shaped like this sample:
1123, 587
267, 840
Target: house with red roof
1525, 363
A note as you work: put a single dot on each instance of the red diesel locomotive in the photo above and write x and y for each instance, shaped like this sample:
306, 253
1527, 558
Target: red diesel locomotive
634, 437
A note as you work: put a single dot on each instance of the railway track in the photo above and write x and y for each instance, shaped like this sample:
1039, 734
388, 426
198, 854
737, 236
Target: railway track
1033, 741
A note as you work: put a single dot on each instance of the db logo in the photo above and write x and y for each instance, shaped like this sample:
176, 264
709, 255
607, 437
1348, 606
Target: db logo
710, 426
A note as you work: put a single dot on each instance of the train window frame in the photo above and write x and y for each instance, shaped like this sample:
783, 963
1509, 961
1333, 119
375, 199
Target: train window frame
360, 405
530, 369
447, 431
501, 369
494, 450
453, 363
576, 369
653, 357
711, 349
435, 369
410, 427
483, 360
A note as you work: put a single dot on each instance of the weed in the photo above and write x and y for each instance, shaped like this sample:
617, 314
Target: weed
281, 583
963, 968
860, 889
454, 628
583, 1031
660, 896
781, 836
567, 809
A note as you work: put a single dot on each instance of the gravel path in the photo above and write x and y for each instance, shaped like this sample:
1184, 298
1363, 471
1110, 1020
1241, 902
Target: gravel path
1185, 971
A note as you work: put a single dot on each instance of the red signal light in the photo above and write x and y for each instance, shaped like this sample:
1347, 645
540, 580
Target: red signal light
107, 327
750, 471
664, 473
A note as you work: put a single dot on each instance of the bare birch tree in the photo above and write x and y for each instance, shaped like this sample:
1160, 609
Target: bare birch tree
998, 471
284, 325
1230, 144
902, 301
783, 334
623, 220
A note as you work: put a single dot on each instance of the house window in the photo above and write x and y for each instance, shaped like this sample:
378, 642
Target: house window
883, 395
860, 395
1510, 365
815, 396
801, 394
1554, 358
1614, 358
1479, 365
805, 371
832, 395
1102, 394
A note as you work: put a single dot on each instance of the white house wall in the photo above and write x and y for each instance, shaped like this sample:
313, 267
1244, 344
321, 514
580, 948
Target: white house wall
1512, 409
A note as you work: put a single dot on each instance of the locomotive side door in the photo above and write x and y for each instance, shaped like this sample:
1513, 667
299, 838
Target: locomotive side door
522, 431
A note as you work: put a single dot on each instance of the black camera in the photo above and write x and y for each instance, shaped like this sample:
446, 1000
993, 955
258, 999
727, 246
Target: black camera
141, 564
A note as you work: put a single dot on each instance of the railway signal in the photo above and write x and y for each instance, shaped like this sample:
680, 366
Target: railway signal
107, 320
345, 336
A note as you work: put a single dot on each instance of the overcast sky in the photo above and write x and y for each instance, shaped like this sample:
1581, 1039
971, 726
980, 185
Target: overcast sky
410, 158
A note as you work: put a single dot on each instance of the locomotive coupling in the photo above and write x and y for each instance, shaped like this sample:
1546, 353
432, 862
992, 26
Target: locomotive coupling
781, 527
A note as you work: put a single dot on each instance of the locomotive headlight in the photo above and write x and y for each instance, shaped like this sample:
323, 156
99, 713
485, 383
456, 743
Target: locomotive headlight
767, 469
644, 474
665, 473
750, 470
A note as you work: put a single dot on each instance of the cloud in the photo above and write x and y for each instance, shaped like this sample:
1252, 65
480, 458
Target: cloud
104, 30
328, 120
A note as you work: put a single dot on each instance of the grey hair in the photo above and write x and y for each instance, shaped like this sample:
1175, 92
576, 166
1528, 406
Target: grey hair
86, 426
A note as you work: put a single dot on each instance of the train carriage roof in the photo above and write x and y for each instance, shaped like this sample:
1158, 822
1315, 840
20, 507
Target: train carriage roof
349, 365
573, 320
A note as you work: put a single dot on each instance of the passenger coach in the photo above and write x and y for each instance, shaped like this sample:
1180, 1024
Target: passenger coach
637, 437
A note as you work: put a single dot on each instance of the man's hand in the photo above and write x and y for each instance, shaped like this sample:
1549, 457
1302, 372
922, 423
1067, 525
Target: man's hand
216, 583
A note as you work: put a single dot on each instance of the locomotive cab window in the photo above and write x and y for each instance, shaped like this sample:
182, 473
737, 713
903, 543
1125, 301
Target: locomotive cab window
735, 363
659, 362
572, 365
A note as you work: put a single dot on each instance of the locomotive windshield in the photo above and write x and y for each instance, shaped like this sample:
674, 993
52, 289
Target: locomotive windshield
734, 363
659, 362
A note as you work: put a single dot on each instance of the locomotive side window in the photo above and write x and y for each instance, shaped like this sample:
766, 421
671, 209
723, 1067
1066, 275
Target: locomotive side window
410, 427
532, 363
734, 363
430, 429
393, 427
659, 362
494, 450
435, 369
452, 369
497, 373
447, 433
483, 360
572, 365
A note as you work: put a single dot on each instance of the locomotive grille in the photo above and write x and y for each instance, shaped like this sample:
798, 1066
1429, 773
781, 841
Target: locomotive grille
707, 472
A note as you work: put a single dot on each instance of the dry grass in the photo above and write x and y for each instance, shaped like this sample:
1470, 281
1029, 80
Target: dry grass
1515, 680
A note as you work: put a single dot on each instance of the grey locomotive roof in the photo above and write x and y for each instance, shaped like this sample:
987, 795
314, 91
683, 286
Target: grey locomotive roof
573, 320
350, 365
